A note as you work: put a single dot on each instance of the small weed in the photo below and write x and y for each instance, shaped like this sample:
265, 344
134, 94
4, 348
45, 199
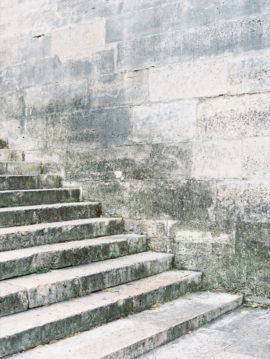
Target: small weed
41, 270
114, 254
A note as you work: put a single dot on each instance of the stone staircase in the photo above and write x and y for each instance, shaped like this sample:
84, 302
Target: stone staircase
65, 270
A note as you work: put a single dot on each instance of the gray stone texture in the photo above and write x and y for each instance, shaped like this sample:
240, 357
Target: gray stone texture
140, 333
160, 109
243, 334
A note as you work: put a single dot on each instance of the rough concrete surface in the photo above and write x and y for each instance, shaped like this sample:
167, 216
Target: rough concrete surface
139, 333
243, 334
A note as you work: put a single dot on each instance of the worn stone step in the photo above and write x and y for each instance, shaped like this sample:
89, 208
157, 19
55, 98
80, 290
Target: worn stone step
18, 216
20, 168
29, 182
7, 155
37, 290
57, 232
38, 326
52, 256
138, 334
29, 168
38, 196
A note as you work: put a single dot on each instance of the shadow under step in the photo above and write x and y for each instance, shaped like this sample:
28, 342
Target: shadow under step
38, 326
24, 215
26, 261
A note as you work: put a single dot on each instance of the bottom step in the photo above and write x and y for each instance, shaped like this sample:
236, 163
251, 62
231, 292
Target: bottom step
131, 337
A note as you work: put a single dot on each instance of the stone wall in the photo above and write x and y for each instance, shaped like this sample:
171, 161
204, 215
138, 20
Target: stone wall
159, 108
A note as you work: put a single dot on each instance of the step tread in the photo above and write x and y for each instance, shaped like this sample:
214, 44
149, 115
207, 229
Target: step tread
138, 328
47, 226
56, 312
48, 206
39, 190
28, 176
59, 275
22, 162
64, 246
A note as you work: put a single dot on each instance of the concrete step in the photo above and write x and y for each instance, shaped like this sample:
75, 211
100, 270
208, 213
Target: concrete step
29, 168
138, 334
7, 155
20, 168
42, 325
29, 182
37, 290
24, 215
58, 232
52, 256
38, 196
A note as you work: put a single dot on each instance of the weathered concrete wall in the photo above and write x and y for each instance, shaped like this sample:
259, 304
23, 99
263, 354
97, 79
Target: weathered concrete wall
159, 108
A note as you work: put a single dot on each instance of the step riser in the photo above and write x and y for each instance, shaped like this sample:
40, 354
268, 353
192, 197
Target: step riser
20, 168
11, 155
61, 234
62, 328
67, 258
29, 182
164, 337
48, 215
21, 198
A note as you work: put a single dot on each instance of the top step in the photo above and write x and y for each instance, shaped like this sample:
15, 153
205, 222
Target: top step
17, 182
28, 168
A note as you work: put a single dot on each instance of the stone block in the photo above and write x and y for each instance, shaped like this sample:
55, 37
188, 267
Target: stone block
11, 105
159, 18
158, 232
164, 122
252, 246
234, 117
232, 36
200, 78
249, 73
78, 41
55, 98
98, 128
141, 162
119, 89
100, 63
189, 201
29, 17
18, 50
256, 157
51, 70
39, 73
243, 201
154, 17
14, 132
217, 159
196, 250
